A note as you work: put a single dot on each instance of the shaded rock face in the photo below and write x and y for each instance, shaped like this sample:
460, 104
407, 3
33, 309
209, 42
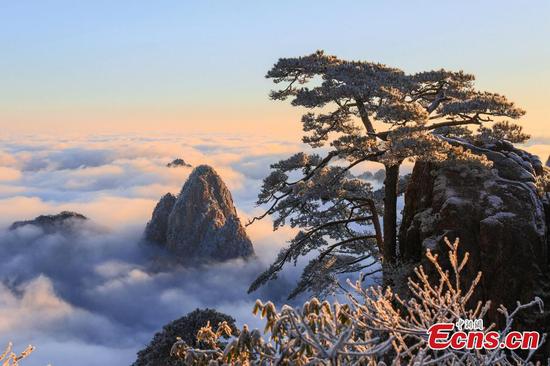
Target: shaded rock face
202, 223
157, 353
64, 221
156, 229
498, 216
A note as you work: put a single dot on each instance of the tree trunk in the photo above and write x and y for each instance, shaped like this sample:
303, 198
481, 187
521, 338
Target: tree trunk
377, 226
390, 213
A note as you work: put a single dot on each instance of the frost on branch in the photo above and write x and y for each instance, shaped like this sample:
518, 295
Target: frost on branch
504, 130
356, 112
334, 212
10, 358
374, 327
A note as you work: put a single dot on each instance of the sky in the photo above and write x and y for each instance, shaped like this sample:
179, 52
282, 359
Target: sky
182, 66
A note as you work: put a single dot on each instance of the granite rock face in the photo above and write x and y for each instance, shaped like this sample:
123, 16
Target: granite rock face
499, 216
201, 224
156, 229
66, 221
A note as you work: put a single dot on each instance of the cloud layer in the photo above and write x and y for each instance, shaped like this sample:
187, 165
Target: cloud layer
89, 295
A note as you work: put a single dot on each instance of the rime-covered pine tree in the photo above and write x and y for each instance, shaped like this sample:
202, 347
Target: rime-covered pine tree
358, 112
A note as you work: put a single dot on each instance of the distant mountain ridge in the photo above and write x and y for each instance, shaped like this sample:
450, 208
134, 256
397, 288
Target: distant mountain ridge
64, 220
201, 224
177, 163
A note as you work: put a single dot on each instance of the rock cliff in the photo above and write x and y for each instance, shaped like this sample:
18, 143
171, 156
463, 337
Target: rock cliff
497, 213
156, 229
201, 224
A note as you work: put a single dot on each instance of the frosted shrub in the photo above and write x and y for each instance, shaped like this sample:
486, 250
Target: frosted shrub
9, 358
374, 327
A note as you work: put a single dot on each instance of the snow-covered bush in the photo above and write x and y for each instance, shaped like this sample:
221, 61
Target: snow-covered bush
374, 327
10, 358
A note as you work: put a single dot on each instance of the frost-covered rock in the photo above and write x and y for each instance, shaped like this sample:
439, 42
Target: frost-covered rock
65, 221
201, 224
498, 215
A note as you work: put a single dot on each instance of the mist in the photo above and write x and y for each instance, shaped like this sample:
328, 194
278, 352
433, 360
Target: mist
91, 291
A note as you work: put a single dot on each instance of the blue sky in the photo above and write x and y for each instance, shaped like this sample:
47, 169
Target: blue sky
127, 64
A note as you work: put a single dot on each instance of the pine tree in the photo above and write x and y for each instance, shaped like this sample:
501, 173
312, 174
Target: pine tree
365, 112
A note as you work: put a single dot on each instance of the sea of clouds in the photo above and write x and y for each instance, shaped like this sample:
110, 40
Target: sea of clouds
87, 297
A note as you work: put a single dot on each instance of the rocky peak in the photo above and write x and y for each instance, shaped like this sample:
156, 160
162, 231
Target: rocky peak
63, 221
201, 224
177, 163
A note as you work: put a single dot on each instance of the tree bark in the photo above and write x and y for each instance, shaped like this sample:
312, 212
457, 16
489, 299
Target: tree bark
377, 226
390, 213
365, 116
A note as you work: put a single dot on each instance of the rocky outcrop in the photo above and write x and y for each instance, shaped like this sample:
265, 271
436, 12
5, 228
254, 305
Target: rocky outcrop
157, 353
156, 229
498, 215
177, 163
64, 221
201, 224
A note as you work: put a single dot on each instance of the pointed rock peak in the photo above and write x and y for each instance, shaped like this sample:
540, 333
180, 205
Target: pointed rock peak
201, 224
203, 171
168, 197
178, 163
206, 190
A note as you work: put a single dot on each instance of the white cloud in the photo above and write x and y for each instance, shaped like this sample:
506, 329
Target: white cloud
90, 293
